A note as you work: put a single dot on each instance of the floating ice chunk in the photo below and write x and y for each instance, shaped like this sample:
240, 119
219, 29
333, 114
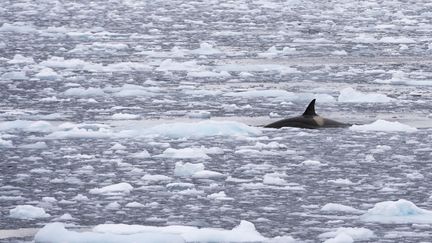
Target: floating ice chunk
339, 53
131, 90
415, 176
125, 116
203, 129
207, 174
282, 69
27, 212
56, 232
155, 178
282, 95
135, 205
28, 126
65, 217
244, 232
141, 155
187, 169
112, 206
219, 196
126, 66
401, 211
15, 75
312, 163
336, 207
47, 74
205, 49
397, 40
400, 77
21, 28
273, 52
274, 179
341, 181
118, 146
186, 153
170, 65
60, 62
80, 197
118, 233
71, 130
340, 238
37, 145
5, 143
351, 95
384, 126
20, 59
120, 188
49, 199
348, 234
208, 74
83, 92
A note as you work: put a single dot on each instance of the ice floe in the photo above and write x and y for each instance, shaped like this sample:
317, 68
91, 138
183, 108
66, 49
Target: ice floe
282, 95
336, 207
348, 234
244, 232
397, 212
187, 169
120, 188
201, 129
384, 126
27, 212
186, 153
352, 95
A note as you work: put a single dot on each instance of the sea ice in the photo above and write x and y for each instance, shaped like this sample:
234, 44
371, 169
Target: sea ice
312, 163
274, 179
141, 155
84, 92
20, 59
351, 95
187, 169
201, 129
384, 126
47, 74
207, 174
219, 196
156, 178
244, 232
336, 207
397, 212
124, 116
282, 95
186, 153
120, 188
27, 212
348, 234
206, 49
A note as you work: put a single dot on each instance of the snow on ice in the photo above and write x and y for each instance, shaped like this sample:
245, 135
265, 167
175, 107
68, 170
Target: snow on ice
120, 188
27, 212
244, 232
351, 95
384, 126
397, 212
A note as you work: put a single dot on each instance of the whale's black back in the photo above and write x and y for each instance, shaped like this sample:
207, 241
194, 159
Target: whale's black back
309, 119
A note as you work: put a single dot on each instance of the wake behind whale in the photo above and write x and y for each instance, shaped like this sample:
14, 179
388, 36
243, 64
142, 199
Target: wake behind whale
309, 119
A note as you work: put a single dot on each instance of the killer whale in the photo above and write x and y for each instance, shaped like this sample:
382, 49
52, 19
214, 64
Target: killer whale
309, 119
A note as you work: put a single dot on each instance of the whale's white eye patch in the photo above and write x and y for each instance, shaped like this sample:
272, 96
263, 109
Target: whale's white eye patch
319, 120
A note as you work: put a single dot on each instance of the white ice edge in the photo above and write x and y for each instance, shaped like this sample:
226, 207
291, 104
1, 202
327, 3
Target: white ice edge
244, 232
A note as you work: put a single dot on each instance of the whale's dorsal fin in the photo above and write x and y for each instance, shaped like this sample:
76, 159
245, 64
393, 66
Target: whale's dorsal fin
310, 110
